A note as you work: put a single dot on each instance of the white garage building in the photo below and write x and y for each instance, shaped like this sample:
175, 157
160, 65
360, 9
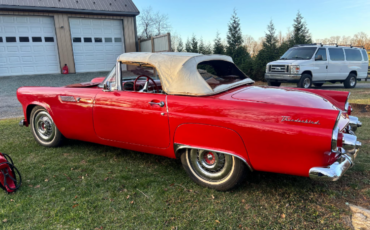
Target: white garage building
41, 36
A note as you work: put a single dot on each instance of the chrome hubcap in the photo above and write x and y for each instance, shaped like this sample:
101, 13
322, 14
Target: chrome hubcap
44, 126
352, 81
210, 165
306, 83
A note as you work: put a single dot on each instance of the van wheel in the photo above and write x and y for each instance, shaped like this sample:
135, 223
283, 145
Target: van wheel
351, 81
213, 169
44, 129
305, 82
318, 84
270, 83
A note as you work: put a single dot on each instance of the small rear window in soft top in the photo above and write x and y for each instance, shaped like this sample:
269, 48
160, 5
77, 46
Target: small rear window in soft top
217, 73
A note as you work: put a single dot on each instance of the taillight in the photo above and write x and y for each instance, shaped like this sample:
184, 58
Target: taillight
347, 107
349, 111
335, 136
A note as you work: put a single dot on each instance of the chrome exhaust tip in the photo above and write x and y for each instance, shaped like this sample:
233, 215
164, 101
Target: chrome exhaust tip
23, 123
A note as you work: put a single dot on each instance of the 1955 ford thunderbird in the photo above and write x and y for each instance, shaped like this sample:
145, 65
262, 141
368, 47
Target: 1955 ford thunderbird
203, 110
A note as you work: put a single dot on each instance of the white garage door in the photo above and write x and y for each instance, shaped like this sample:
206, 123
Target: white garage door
28, 46
96, 43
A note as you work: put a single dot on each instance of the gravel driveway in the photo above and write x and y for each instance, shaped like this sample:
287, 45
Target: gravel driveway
9, 105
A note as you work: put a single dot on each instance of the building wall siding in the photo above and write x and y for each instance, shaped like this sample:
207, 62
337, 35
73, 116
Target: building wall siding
64, 34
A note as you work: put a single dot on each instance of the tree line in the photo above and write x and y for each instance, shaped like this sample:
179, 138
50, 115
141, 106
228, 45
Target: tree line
249, 55
250, 60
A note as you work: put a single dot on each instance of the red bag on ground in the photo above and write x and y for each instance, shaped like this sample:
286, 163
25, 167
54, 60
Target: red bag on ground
65, 69
8, 174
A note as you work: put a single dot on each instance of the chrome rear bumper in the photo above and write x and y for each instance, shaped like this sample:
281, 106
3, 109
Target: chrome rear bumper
23, 123
345, 161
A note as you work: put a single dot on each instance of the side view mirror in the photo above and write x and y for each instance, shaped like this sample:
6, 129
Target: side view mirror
318, 58
107, 87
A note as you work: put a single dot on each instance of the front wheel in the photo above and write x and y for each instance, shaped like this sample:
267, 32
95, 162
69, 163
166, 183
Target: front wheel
271, 83
44, 129
305, 82
351, 81
213, 169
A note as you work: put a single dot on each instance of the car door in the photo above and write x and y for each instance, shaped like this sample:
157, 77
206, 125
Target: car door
136, 118
321, 65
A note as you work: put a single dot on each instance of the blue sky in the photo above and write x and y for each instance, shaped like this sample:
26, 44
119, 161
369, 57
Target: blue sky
204, 18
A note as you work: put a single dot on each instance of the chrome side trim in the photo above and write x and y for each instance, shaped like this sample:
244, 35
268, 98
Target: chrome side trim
334, 137
67, 98
178, 147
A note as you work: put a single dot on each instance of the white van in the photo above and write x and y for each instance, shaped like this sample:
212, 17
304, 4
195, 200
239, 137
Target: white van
316, 64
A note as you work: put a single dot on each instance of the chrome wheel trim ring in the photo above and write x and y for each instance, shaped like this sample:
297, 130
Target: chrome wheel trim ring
218, 171
352, 81
306, 83
44, 127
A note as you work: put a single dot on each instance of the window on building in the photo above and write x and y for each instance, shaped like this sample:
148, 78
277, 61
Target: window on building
24, 39
336, 54
322, 52
117, 39
108, 39
11, 39
366, 58
77, 40
49, 39
98, 40
88, 40
353, 55
36, 39
1, 39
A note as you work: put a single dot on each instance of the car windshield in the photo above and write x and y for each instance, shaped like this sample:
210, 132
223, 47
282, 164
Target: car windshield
299, 53
110, 77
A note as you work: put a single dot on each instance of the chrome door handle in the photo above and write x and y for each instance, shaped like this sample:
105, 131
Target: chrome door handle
161, 104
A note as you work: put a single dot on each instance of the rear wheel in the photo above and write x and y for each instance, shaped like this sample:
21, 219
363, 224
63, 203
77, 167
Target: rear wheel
305, 82
351, 81
213, 169
318, 84
44, 129
270, 83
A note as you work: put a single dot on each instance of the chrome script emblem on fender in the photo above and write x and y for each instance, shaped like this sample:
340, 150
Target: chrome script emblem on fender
287, 118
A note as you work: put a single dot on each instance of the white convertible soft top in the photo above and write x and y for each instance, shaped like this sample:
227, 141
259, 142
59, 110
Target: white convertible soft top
178, 71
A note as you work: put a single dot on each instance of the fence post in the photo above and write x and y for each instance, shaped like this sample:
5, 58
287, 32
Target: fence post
153, 49
169, 42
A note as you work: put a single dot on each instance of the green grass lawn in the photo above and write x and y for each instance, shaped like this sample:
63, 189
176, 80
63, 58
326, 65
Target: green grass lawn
88, 186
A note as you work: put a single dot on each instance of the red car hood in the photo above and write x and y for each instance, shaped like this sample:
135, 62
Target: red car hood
283, 96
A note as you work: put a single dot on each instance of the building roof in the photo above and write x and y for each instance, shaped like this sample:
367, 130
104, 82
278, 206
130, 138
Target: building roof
178, 71
116, 7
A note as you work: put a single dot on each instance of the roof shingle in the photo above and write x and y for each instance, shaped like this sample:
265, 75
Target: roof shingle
108, 6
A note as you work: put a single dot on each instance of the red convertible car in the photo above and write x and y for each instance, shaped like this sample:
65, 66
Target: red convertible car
203, 110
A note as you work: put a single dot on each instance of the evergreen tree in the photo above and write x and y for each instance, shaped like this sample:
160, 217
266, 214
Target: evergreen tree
208, 49
235, 47
218, 47
268, 53
194, 44
180, 46
188, 46
301, 35
201, 46
234, 36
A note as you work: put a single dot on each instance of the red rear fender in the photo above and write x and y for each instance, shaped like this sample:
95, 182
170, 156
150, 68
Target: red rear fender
210, 137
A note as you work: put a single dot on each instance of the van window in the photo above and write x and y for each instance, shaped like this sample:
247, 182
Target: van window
366, 58
353, 55
322, 52
336, 54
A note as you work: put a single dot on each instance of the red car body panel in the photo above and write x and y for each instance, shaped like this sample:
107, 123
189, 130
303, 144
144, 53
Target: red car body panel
271, 133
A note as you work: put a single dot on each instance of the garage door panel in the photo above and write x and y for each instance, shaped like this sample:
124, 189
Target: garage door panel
12, 49
89, 48
28, 57
9, 29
